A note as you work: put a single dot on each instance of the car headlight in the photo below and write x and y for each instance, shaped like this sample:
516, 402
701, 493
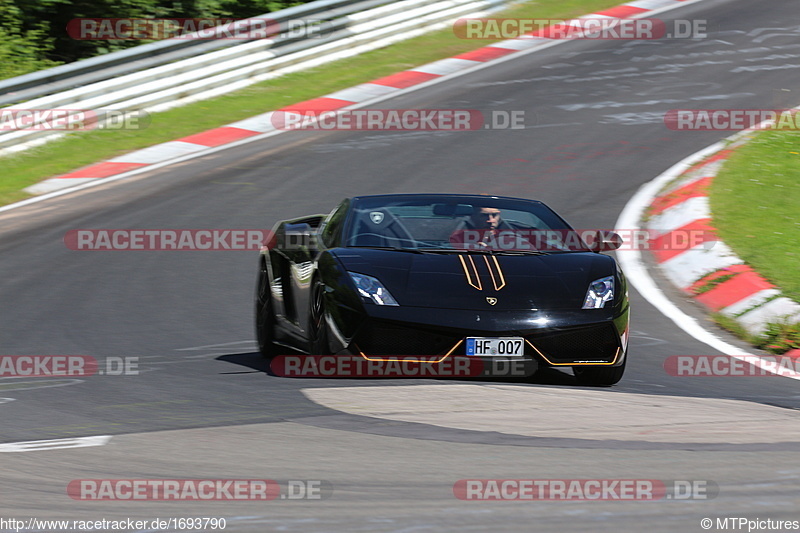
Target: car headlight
600, 291
372, 289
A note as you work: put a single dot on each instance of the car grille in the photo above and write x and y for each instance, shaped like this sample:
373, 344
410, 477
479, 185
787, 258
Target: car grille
595, 343
387, 339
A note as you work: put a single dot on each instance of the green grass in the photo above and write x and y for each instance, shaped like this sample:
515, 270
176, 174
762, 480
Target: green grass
781, 337
83, 148
755, 202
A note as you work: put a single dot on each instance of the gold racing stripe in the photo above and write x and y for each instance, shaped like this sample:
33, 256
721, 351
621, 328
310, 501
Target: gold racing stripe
473, 278
502, 283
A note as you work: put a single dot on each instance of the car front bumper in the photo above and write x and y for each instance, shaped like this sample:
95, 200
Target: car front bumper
553, 338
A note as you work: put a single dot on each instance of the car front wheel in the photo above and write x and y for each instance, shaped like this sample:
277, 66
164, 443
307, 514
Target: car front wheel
265, 317
318, 329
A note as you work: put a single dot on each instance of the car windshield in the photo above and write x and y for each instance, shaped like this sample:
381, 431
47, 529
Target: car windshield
439, 225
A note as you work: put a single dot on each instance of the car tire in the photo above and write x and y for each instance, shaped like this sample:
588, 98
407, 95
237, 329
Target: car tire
265, 317
599, 376
318, 328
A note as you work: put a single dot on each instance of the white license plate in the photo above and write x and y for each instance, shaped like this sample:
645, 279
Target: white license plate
494, 346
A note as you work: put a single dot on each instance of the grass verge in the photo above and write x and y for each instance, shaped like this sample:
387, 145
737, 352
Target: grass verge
755, 201
778, 338
79, 149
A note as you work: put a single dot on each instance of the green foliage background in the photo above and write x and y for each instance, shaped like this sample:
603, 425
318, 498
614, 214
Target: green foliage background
33, 33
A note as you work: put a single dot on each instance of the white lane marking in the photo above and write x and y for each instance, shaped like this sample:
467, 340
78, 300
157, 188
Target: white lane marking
614, 104
650, 340
554, 125
55, 444
6, 400
214, 346
209, 151
12, 383
207, 355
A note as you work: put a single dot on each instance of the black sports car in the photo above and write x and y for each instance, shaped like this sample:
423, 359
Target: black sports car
445, 275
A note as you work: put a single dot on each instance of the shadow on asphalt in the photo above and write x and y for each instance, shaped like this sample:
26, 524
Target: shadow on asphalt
257, 363
252, 360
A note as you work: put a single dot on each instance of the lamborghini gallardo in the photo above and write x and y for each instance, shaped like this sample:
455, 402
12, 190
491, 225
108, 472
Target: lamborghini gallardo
445, 275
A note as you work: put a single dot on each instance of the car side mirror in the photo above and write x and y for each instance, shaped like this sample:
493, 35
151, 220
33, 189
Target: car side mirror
605, 241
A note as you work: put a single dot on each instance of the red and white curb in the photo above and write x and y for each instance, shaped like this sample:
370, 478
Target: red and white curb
638, 273
711, 271
201, 143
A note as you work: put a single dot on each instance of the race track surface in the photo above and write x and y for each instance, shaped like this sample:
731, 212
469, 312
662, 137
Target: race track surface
203, 405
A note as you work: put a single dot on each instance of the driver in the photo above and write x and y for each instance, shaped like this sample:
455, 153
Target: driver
486, 228
486, 218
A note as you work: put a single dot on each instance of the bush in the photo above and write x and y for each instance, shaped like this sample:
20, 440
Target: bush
33, 33
781, 337
22, 50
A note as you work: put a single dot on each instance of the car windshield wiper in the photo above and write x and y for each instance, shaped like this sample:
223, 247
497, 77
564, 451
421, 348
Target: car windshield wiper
441, 251
480, 251
521, 252
424, 250
495, 251
392, 248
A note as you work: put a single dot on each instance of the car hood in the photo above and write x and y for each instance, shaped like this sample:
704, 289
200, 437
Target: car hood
472, 280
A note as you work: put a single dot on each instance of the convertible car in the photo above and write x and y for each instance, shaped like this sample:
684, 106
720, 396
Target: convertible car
445, 275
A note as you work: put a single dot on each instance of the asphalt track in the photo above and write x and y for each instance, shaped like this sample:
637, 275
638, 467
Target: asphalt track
203, 405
